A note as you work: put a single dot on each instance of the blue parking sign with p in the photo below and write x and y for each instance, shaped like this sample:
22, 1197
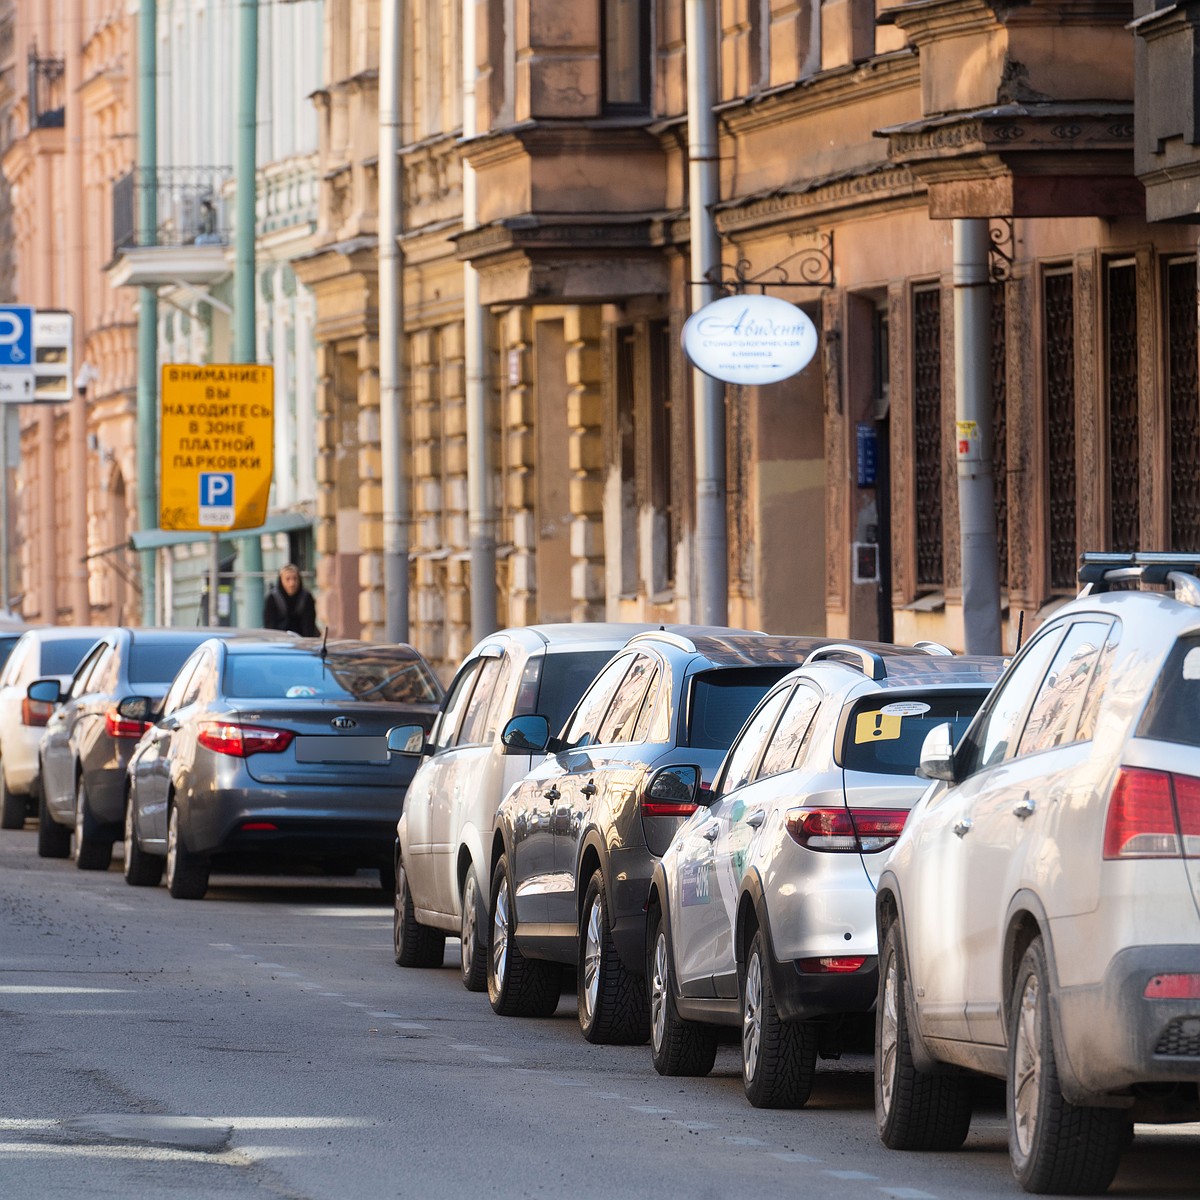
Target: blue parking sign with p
216, 498
16, 335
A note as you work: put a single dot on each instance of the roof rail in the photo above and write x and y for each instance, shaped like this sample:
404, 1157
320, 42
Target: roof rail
867, 661
935, 648
665, 635
1100, 570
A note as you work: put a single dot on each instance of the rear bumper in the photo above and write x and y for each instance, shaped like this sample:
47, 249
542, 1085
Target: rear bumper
801, 996
20, 758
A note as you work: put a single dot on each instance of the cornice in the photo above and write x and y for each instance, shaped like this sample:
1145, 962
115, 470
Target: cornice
925, 21
492, 149
595, 231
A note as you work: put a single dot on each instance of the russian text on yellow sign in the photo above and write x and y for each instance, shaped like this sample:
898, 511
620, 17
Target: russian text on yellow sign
216, 418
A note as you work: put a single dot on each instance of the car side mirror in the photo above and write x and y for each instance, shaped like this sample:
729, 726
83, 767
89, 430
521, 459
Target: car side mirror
937, 753
526, 735
137, 708
406, 739
676, 786
47, 691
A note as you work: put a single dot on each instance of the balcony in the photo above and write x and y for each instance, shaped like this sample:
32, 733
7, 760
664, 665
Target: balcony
170, 227
47, 91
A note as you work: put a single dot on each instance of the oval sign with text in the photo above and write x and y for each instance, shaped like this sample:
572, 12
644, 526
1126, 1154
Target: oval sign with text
749, 339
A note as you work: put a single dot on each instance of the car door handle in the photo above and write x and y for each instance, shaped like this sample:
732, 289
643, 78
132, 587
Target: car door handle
588, 789
756, 818
1025, 807
552, 794
963, 826
710, 831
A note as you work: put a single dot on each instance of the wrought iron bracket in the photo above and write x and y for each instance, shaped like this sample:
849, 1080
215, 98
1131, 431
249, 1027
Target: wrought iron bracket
1002, 240
810, 266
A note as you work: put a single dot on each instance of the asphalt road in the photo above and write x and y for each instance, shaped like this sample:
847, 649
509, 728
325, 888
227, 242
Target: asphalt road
261, 1043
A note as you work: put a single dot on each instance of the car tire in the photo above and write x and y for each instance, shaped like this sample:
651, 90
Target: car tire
517, 986
678, 1047
414, 944
91, 853
473, 948
1055, 1146
53, 840
914, 1110
613, 1005
140, 869
12, 808
187, 873
779, 1058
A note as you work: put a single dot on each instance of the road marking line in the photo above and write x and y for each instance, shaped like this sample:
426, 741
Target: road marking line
698, 1126
409, 1025
794, 1156
354, 1004
737, 1140
18, 989
650, 1109
495, 1058
7, 1123
904, 1193
851, 1175
385, 1015
568, 1083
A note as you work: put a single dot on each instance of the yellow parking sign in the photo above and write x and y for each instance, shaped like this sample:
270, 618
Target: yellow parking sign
217, 444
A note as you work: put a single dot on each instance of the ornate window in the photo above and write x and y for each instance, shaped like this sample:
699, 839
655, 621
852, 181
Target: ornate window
927, 434
1121, 338
1183, 404
1058, 308
999, 376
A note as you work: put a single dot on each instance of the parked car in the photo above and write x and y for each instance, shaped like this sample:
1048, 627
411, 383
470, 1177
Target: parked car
762, 911
1037, 920
40, 652
577, 840
445, 831
270, 751
86, 747
11, 628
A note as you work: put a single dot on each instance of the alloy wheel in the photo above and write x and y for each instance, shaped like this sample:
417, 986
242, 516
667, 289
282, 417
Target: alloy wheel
889, 1035
752, 1018
1027, 1066
591, 957
129, 832
172, 844
500, 935
658, 992
470, 920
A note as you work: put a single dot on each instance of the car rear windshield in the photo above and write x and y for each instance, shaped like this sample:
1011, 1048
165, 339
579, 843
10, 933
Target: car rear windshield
722, 700
158, 661
885, 733
364, 675
1173, 711
63, 655
7, 642
562, 681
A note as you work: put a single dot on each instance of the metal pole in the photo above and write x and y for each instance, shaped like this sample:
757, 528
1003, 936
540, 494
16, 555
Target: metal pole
976, 498
243, 255
710, 551
214, 584
481, 522
393, 448
5, 548
147, 380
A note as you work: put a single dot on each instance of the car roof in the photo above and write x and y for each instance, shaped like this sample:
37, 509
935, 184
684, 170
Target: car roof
909, 670
281, 643
58, 633
567, 634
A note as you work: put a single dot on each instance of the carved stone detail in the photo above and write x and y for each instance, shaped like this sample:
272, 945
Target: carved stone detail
904, 537
836, 458
1091, 411
951, 533
1025, 538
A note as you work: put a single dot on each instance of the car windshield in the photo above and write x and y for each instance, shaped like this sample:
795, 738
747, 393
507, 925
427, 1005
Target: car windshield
62, 655
564, 678
884, 734
722, 700
384, 675
1174, 705
158, 661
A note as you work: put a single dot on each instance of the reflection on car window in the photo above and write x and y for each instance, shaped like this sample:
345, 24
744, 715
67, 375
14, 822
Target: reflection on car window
642, 728
62, 655
563, 678
626, 704
722, 700
471, 733
790, 732
366, 675
445, 733
745, 751
1055, 713
157, 661
884, 735
81, 684
175, 692
1173, 711
1098, 686
586, 722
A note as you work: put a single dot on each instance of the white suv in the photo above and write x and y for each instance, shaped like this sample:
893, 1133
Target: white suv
445, 832
1038, 919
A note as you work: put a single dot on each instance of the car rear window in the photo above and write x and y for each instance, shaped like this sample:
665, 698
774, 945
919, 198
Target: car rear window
722, 700
158, 661
364, 675
563, 679
885, 733
1173, 711
6, 647
63, 655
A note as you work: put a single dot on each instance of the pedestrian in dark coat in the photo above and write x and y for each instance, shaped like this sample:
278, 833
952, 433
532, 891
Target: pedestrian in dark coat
289, 604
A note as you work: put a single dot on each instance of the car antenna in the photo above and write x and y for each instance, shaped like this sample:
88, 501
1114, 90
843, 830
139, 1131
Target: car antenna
325, 644
1020, 628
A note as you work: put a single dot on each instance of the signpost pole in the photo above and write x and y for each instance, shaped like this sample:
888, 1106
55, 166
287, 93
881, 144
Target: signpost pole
147, 343
5, 548
214, 581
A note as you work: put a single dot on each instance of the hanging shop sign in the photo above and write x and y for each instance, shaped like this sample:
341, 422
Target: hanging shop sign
749, 339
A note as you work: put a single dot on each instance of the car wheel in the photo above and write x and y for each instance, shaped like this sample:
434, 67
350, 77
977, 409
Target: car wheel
54, 840
187, 874
779, 1058
678, 1047
414, 944
1055, 1146
140, 869
913, 1109
517, 986
473, 952
91, 853
613, 1006
12, 809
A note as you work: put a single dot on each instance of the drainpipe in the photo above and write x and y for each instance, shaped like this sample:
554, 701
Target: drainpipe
243, 260
710, 552
393, 450
976, 498
481, 521
147, 376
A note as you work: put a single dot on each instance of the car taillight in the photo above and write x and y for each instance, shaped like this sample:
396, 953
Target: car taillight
1173, 987
226, 737
662, 808
846, 830
831, 965
35, 712
1153, 814
118, 727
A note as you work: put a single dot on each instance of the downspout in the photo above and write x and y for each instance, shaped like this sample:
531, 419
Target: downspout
710, 552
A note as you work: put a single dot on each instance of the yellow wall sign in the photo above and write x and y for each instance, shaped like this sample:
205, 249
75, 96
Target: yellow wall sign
217, 444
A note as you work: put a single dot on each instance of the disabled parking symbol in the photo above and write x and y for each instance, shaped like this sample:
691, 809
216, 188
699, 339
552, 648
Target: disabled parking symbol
216, 498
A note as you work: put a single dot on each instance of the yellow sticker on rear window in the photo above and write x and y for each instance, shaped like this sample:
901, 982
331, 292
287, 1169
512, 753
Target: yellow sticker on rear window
876, 727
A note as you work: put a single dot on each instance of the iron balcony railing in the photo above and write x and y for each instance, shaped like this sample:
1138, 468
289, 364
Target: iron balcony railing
188, 204
47, 91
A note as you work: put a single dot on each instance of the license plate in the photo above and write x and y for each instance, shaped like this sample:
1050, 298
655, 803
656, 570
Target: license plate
341, 750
